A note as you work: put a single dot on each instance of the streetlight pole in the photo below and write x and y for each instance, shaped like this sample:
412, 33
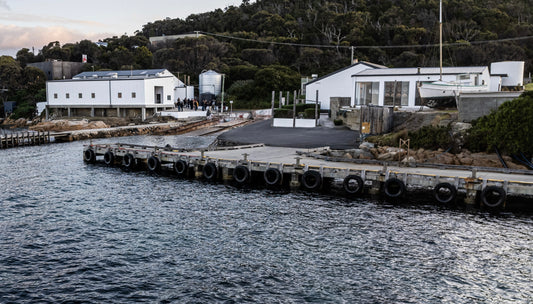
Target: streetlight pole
222, 109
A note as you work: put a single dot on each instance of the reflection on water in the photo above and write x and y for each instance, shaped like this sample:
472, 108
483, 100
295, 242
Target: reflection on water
83, 233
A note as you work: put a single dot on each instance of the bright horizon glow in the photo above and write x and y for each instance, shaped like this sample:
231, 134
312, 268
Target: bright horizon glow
33, 24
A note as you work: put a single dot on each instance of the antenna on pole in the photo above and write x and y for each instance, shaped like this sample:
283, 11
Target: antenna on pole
440, 37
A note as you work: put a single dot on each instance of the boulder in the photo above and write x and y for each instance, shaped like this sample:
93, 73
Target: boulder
388, 156
367, 146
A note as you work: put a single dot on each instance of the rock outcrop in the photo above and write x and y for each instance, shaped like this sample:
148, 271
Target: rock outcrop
422, 156
68, 125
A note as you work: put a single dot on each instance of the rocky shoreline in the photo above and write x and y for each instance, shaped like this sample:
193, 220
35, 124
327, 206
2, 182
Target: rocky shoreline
85, 129
368, 151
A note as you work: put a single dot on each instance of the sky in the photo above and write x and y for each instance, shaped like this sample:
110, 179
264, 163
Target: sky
35, 23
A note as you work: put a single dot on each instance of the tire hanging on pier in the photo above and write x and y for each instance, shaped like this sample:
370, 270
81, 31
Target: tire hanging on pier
129, 161
154, 164
394, 188
272, 177
311, 180
493, 196
209, 171
444, 193
353, 184
89, 156
241, 174
109, 158
181, 167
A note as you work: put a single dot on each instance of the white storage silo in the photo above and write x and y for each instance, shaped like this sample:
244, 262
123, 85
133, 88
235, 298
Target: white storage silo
210, 83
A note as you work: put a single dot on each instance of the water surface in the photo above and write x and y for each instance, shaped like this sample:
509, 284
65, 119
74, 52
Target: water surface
77, 233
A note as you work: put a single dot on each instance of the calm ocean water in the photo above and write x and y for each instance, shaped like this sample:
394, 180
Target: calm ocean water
77, 233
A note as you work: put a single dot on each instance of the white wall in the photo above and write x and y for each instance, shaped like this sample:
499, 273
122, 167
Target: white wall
513, 69
107, 92
126, 88
73, 88
184, 92
338, 84
287, 123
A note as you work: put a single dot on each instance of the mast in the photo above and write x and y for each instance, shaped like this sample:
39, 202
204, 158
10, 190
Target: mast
440, 38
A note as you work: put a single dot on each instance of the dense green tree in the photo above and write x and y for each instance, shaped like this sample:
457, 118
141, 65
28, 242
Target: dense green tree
261, 33
24, 56
509, 128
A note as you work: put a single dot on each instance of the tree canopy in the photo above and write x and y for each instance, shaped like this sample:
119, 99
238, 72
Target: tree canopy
313, 37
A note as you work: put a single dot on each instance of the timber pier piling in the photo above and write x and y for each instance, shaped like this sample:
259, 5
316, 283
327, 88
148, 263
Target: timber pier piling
276, 167
20, 139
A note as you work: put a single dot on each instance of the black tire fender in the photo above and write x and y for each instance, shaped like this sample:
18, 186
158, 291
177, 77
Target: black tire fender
109, 158
311, 180
89, 156
154, 164
353, 184
394, 188
209, 171
272, 176
129, 161
448, 196
493, 196
241, 174
181, 167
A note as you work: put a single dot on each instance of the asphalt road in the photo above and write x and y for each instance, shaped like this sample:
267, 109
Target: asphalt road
262, 132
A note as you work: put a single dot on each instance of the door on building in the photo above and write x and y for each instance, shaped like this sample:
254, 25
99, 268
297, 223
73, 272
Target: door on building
158, 94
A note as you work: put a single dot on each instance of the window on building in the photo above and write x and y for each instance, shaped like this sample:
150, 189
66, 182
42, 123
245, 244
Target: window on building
169, 98
396, 93
80, 95
133, 95
119, 95
55, 95
67, 95
93, 95
367, 93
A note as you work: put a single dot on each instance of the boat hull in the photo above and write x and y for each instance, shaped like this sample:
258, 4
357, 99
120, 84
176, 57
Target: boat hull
442, 95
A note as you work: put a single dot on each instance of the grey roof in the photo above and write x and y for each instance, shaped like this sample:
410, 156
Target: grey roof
423, 71
123, 73
369, 64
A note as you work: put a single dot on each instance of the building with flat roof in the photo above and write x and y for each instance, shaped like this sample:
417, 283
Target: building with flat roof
131, 94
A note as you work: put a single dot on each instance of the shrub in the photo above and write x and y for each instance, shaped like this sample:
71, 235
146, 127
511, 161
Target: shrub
338, 122
282, 113
391, 139
509, 128
430, 137
309, 113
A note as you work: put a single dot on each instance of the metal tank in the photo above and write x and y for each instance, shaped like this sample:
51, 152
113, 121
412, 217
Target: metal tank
210, 84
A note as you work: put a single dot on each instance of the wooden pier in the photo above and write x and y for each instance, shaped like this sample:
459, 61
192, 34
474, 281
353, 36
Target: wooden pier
21, 139
286, 167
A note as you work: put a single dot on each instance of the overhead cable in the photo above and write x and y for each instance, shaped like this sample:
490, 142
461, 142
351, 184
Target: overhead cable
405, 46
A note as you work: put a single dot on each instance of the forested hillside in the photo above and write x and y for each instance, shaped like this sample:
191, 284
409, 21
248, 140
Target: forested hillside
268, 45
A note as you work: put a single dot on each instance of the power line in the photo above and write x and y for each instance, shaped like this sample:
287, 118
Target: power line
405, 46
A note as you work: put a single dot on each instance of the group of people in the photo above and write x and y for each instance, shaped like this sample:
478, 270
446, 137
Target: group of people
194, 104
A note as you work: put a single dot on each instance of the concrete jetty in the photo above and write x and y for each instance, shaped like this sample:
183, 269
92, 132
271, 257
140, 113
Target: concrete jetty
291, 168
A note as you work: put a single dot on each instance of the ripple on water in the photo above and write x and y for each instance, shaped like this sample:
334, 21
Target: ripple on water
82, 233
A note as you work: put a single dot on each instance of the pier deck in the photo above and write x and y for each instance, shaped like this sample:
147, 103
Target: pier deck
288, 166
21, 139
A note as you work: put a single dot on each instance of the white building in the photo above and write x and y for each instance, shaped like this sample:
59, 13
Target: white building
399, 86
133, 93
336, 84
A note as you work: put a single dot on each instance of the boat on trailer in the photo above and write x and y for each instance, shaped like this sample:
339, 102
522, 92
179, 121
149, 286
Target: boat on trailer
442, 94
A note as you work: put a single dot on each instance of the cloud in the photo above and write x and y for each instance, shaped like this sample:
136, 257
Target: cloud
33, 19
3, 4
16, 37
